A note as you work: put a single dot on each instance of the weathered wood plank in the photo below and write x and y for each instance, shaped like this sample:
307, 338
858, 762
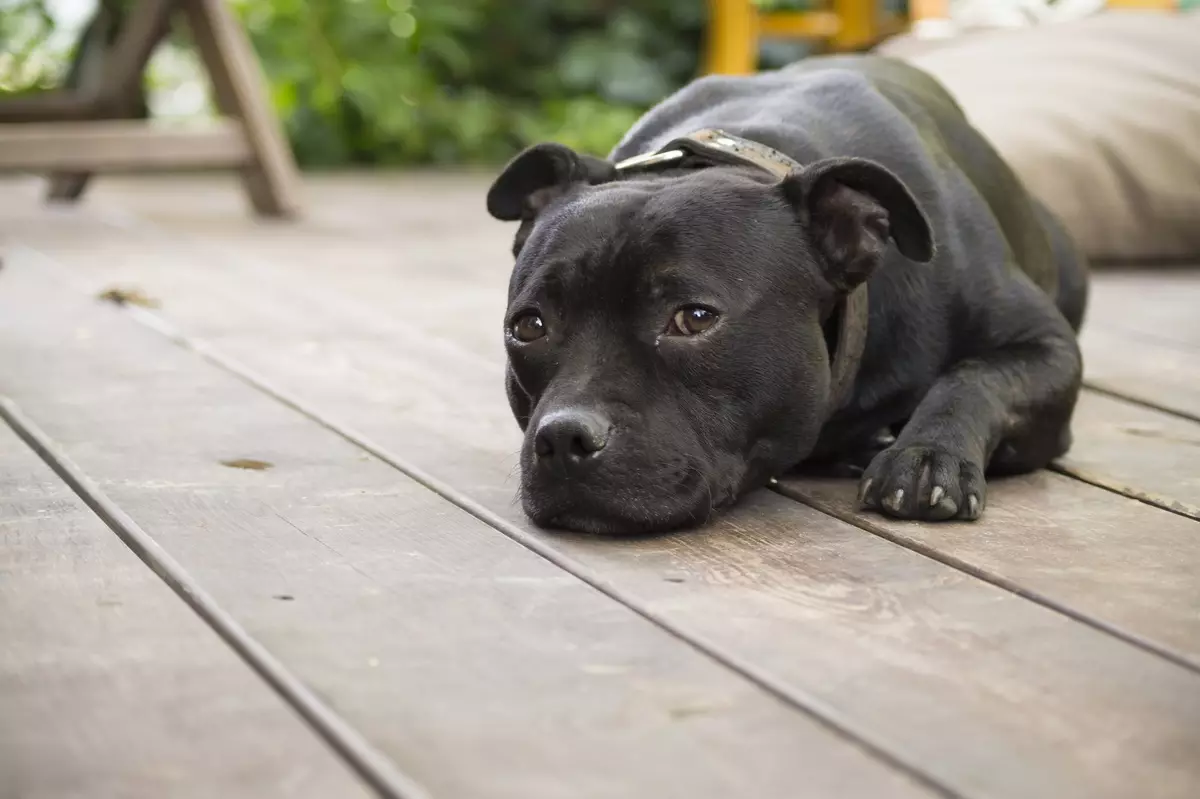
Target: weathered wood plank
239, 87
1109, 558
482, 669
48, 106
112, 75
1160, 374
120, 145
953, 674
1149, 304
1137, 451
1142, 338
110, 686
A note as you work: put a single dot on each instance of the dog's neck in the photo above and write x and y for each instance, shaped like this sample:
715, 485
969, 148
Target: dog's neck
709, 148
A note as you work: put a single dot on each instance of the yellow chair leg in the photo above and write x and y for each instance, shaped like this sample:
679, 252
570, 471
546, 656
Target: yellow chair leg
928, 9
732, 37
858, 28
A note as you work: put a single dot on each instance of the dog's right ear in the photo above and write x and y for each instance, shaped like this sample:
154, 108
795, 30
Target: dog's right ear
540, 174
853, 208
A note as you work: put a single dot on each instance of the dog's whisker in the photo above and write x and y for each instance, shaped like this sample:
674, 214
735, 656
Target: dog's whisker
710, 501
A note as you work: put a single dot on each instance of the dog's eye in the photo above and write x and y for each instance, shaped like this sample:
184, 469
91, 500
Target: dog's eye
528, 327
691, 320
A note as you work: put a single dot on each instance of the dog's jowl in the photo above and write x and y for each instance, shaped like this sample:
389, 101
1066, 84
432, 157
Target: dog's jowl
824, 267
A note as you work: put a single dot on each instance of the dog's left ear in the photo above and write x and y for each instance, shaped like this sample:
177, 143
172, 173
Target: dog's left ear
851, 207
538, 175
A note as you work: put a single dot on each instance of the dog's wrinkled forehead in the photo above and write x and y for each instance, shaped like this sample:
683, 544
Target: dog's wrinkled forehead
589, 224
618, 231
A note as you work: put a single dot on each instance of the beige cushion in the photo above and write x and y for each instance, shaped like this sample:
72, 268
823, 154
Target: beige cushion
1099, 117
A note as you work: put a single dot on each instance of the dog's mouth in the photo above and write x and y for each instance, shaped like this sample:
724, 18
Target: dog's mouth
623, 523
650, 507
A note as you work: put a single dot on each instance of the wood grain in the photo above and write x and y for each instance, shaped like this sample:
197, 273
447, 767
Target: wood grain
1159, 374
1148, 304
1141, 339
1136, 451
110, 686
240, 90
111, 78
482, 669
991, 694
1101, 556
120, 145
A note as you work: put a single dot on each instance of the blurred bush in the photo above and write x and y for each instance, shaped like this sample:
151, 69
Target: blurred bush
26, 63
462, 81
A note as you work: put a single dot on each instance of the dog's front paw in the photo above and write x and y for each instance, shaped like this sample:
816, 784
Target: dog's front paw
923, 483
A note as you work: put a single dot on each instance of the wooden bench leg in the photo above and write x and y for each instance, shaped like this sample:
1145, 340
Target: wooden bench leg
85, 76
113, 75
239, 89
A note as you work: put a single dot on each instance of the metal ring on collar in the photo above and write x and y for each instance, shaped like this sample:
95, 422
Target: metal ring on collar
650, 159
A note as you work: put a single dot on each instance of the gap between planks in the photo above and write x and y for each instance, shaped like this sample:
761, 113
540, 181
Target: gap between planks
376, 769
1117, 394
984, 575
95, 651
1114, 486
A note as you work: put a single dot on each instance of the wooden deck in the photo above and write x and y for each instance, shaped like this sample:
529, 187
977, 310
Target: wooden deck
260, 540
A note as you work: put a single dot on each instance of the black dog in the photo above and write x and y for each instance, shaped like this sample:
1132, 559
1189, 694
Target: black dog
690, 318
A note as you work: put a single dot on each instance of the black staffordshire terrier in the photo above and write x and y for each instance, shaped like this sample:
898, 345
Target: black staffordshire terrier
779, 270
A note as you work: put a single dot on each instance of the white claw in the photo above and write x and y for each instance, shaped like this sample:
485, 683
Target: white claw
864, 490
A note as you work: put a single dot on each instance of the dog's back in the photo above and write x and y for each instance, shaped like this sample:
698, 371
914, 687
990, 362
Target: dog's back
890, 112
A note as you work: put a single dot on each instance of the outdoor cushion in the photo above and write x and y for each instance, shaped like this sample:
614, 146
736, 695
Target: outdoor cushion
1100, 117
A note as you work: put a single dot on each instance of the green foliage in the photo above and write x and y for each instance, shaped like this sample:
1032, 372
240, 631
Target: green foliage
26, 65
461, 81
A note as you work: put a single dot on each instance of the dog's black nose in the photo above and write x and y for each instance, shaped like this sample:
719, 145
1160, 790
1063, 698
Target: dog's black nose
571, 437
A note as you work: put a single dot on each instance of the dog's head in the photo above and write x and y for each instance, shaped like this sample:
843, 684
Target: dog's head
667, 338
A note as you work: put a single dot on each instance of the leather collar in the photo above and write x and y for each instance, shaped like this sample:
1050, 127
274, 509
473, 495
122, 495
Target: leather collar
711, 147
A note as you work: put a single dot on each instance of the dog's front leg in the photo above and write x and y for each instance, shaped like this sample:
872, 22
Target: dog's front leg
1009, 409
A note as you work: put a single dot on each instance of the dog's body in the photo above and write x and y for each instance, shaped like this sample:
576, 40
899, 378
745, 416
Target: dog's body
970, 357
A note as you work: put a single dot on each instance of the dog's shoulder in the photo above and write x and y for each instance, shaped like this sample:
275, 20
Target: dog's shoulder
870, 107
986, 226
